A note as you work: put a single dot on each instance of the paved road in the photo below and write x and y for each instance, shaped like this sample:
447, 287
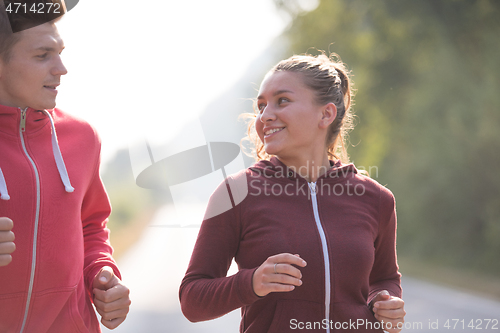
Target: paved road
430, 307
154, 267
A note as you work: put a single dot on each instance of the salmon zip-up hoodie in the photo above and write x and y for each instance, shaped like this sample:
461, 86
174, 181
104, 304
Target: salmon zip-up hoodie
343, 226
51, 189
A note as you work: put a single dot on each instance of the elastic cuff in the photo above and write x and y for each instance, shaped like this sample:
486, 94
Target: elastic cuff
245, 286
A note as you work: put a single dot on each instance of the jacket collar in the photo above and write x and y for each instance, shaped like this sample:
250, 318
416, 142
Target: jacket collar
275, 168
10, 119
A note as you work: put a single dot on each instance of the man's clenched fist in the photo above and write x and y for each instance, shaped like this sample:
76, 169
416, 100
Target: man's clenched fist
7, 245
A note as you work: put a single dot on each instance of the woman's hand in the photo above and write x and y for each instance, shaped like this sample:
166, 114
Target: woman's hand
277, 274
389, 310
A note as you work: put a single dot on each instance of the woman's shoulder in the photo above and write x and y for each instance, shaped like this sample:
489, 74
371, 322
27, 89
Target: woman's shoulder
368, 179
230, 192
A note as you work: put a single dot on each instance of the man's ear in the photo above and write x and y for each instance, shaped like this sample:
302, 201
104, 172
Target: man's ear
328, 115
3, 64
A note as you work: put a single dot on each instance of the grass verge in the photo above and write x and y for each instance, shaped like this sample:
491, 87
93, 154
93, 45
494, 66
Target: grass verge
123, 237
466, 280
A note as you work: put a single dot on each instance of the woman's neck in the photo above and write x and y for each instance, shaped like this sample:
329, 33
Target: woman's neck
310, 168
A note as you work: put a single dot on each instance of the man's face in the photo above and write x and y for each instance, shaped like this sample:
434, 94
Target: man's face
34, 70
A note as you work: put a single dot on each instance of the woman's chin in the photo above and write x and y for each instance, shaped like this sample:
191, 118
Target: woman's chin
270, 150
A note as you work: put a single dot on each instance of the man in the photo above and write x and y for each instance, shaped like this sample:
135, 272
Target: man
55, 256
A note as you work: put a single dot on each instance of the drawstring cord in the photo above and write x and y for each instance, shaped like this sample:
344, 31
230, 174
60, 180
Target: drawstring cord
61, 167
58, 157
4, 194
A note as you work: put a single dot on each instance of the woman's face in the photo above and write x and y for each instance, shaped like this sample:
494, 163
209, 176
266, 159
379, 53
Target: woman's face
290, 122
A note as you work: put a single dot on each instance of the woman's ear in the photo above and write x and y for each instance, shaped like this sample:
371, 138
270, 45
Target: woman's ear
328, 115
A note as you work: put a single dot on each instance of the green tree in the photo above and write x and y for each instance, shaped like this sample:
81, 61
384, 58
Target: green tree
427, 75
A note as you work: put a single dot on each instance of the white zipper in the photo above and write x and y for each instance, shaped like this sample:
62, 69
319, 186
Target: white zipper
22, 127
324, 245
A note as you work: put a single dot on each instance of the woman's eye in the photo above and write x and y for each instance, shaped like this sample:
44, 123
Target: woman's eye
261, 107
282, 100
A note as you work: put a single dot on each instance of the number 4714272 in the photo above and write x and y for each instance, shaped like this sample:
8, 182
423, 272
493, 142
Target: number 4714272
36, 8
477, 324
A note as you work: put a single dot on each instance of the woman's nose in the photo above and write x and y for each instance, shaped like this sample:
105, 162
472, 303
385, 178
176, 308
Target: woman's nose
267, 114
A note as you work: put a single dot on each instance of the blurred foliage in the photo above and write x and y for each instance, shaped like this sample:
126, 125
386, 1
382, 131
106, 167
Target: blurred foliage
428, 105
130, 203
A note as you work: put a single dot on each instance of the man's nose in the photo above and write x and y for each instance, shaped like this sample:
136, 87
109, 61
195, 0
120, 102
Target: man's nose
59, 68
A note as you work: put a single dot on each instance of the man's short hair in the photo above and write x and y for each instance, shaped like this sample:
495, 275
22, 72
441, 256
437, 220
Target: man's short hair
16, 16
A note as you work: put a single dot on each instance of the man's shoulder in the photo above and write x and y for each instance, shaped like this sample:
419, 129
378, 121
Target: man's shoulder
67, 123
66, 118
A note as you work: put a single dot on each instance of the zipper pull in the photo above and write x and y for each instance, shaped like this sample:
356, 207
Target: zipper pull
312, 186
23, 119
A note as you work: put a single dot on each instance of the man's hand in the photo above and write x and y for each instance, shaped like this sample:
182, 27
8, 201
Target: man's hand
389, 310
111, 298
7, 245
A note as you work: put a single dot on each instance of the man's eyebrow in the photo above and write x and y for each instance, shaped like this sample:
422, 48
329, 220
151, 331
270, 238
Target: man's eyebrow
47, 49
279, 92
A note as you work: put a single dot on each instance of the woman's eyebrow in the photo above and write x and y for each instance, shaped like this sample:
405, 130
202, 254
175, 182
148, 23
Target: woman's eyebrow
279, 92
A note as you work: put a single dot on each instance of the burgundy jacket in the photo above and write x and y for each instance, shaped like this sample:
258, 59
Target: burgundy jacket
343, 226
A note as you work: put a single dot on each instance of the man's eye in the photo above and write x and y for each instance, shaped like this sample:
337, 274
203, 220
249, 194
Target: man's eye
42, 56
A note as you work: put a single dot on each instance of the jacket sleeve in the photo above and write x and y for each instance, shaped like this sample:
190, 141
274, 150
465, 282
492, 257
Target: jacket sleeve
206, 292
95, 211
385, 274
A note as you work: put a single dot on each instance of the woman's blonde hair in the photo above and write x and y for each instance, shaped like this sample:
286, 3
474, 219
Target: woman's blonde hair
329, 78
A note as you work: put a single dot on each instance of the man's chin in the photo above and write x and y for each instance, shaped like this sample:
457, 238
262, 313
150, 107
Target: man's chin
44, 106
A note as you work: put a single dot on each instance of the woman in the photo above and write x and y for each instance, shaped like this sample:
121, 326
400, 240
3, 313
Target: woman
313, 239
